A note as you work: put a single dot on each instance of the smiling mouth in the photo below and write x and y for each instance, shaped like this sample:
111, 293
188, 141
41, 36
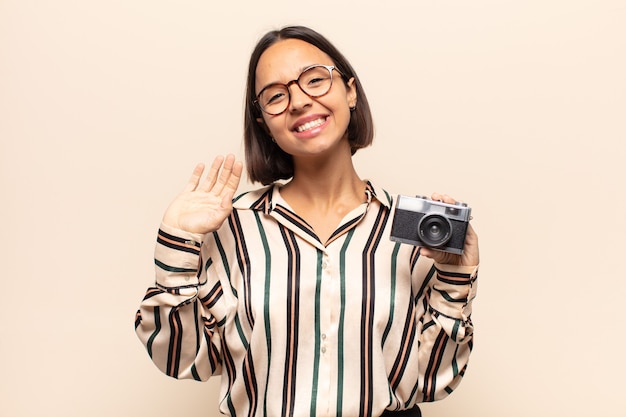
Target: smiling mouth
310, 125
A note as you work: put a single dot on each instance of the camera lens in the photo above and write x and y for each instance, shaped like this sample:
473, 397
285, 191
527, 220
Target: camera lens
434, 230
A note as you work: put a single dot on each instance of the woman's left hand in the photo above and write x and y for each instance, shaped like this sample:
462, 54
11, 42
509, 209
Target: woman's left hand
470, 250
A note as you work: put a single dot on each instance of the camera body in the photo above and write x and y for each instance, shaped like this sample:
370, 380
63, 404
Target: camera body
420, 221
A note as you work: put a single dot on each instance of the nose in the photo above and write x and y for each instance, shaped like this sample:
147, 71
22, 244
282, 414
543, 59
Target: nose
298, 99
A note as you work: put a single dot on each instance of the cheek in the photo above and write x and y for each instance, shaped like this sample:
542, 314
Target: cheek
343, 116
276, 126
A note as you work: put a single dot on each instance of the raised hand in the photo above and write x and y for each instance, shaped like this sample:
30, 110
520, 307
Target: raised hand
470, 251
203, 205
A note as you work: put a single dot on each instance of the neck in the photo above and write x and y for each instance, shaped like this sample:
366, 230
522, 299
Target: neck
324, 189
325, 182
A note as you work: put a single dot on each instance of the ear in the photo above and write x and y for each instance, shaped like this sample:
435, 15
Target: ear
351, 93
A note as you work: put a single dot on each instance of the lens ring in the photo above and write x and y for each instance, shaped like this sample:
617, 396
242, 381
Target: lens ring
267, 106
322, 76
434, 230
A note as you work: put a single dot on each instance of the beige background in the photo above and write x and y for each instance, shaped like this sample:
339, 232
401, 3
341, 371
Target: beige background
516, 107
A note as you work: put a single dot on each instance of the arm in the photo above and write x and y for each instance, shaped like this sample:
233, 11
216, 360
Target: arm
447, 333
175, 320
177, 329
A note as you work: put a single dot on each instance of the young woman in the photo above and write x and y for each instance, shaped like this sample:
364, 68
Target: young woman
294, 293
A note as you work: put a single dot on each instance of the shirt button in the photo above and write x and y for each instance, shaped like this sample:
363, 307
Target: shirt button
323, 335
323, 349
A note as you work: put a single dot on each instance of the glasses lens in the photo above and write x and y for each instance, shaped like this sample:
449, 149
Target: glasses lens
274, 99
315, 81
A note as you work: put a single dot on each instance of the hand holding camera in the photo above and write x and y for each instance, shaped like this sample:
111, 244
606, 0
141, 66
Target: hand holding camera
440, 226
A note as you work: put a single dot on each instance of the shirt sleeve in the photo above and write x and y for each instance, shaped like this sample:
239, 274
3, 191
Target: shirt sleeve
447, 333
453, 292
174, 320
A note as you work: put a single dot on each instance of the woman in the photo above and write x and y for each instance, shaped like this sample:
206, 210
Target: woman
295, 293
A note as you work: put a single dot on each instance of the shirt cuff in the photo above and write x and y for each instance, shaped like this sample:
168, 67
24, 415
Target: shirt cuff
454, 289
177, 257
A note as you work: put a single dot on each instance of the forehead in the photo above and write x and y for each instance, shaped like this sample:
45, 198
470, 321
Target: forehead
284, 60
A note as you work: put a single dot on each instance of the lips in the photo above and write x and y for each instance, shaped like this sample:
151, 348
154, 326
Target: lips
309, 123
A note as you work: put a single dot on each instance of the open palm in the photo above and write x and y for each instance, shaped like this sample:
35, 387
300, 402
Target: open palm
203, 205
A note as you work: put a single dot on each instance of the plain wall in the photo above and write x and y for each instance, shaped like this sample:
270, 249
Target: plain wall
516, 107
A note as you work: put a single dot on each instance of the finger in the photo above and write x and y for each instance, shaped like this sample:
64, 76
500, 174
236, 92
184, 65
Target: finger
443, 198
436, 256
227, 199
470, 252
471, 236
195, 178
211, 177
235, 177
232, 184
227, 170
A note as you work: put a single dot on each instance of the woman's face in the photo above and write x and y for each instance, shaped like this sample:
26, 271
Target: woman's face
309, 126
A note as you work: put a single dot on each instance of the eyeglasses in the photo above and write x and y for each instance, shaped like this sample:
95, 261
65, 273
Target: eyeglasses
314, 81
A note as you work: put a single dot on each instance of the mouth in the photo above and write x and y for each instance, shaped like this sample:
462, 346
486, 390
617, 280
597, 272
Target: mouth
312, 124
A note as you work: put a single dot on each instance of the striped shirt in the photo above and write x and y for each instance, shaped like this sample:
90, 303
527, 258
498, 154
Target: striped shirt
297, 327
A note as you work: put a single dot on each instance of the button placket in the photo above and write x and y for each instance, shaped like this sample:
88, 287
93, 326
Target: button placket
327, 284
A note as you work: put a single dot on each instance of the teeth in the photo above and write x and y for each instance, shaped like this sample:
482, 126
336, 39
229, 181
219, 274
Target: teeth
309, 125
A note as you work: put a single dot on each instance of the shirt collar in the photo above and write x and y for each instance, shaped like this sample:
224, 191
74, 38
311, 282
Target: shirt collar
264, 199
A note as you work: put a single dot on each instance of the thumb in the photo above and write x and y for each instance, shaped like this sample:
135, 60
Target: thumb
227, 200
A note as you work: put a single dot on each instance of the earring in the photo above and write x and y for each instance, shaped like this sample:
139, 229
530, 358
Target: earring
353, 108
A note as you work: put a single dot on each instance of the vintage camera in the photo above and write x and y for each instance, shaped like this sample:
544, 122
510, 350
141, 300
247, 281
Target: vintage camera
420, 221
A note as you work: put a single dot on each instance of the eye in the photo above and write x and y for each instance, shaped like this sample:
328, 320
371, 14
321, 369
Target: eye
273, 94
317, 80
275, 98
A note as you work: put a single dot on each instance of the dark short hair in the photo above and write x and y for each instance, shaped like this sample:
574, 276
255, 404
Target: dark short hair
265, 161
